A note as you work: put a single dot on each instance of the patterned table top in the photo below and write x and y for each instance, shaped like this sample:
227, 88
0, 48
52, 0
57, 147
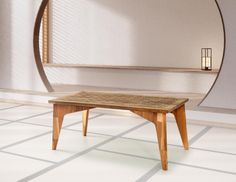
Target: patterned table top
122, 101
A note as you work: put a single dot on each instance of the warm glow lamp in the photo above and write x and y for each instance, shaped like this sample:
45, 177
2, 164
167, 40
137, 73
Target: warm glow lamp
206, 59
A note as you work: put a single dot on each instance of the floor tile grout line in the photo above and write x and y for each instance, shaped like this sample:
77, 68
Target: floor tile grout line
204, 168
151, 172
213, 151
148, 141
28, 157
130, 155
171, 162
45, 170
34, 124
90, 118
11, 107
2, 120
75, 130
199, 135
48, 126
8, 122
25, 140
29, 117
175, 145
33, 116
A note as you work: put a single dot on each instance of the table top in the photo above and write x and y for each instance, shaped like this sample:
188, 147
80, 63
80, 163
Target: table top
122, 101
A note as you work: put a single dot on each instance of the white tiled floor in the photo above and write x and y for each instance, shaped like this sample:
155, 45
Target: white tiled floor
13, 168
4, 105
148, 133
46, 119
117, 148
16, 132
187, 174
2, 122
22, 112
110, 125
70, 143
99, 166
218, 139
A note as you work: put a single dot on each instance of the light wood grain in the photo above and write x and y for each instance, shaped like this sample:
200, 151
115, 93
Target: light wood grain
180, 118
37, 54
141, 68
160, 124
85, 116
45, 48
151, 108
146, 115
59, 111
122, 101
159, 120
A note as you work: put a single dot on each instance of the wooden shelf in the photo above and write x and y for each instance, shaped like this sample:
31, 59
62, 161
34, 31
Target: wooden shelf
140, 68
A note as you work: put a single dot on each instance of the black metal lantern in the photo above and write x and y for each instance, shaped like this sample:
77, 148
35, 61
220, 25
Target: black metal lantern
206, 59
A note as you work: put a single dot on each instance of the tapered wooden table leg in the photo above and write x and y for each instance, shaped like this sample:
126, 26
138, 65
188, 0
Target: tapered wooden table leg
57, 124
85, 121
59, 111
151, 108
160, 124
180, 117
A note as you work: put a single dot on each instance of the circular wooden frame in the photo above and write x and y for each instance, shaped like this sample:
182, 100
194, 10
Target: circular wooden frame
223, 57
36, 37
39, 63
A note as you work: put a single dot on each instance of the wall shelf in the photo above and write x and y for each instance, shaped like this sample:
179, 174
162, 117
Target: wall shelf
140, 68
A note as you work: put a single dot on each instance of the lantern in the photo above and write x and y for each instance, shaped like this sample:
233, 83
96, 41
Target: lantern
206, 59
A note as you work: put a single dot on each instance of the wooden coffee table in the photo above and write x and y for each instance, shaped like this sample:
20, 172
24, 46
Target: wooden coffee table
151, 108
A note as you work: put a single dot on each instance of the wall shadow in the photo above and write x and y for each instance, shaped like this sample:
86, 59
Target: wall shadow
5, 45
162, 34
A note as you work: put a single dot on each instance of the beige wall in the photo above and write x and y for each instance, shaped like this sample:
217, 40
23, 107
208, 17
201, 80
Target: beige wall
166, 33
143, 80
17, 65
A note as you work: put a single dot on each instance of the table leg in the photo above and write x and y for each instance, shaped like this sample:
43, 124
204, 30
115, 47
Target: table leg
160, 124
59, 111
57, 124
180, 118
85, 121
